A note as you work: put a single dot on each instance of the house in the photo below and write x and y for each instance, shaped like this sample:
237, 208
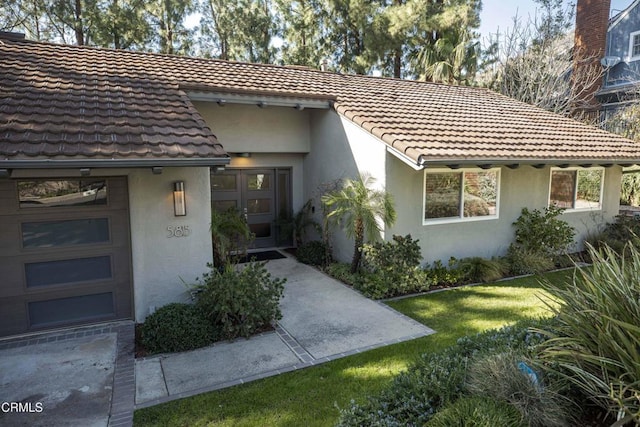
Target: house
109, 169
615, 41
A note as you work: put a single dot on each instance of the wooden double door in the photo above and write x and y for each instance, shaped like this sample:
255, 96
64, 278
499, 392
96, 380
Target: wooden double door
263, 196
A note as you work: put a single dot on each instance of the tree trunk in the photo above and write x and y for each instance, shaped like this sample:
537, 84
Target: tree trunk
357, 250
78, 24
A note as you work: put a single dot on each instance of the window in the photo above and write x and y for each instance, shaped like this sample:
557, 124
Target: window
461, 195
634, 45
62, 193
576, 189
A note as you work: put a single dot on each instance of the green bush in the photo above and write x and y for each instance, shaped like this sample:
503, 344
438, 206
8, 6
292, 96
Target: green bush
478, 269
241, 300
342, 272
437, 379
230, 235
440, 275
499, 377
527, 261
477, 412
313, 253
391, 268
542, 232
618, 234
176, 327
596, 344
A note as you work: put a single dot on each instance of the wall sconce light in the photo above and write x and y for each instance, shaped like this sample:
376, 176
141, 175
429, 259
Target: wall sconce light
179, 205
85, 172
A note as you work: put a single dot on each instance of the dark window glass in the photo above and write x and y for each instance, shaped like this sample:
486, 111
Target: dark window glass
258, 206
58, 193
67, 271
480, 193
64, 310
442, 195
224, 205
258, 181
223, 183
563, 188
65, 233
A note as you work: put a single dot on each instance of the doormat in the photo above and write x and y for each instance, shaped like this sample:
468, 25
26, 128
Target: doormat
261, 256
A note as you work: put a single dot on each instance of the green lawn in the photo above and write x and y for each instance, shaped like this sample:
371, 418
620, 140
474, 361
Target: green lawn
311, 397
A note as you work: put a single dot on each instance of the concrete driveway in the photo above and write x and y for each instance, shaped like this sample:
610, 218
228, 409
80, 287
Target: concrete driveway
322, 320
73, 378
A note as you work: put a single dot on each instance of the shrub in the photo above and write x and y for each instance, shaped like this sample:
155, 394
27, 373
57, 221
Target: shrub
436, 379
499, 377
543, 232
391, 268
616, 235
313, 253
241, 301
527, 261
441, 275
478, 269
230, 235
176, 327
477, 412
596, 344
342, 272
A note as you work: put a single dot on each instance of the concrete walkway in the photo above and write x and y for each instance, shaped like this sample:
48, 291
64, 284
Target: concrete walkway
322, 320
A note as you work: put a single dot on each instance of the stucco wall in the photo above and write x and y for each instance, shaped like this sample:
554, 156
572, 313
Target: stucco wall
248, 128
522, 187
161, 263
339, 149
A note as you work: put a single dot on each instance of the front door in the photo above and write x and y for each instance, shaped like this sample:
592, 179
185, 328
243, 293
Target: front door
259, 194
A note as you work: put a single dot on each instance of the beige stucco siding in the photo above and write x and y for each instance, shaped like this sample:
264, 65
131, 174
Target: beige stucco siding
340, 149
522, 187
163, 263
248, 128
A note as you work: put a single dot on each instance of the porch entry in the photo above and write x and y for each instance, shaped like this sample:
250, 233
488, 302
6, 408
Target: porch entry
262, 195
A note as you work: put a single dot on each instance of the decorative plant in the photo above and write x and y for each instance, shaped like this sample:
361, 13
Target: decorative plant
231, 236
358, 207
596, 345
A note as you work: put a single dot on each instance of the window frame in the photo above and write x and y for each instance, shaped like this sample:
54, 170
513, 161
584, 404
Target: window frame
460, 218
575, 191
632, 37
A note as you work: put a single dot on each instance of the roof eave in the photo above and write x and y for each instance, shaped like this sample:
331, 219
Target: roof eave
515, 162
112, 163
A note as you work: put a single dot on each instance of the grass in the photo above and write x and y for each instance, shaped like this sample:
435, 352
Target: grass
311, 397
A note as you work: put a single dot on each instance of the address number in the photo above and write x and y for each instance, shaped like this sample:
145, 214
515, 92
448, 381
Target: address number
178, 231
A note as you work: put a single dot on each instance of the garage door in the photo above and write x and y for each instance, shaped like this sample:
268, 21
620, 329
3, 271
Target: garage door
64, 253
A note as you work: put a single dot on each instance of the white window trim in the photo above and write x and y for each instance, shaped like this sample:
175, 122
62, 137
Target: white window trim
631, 37
461, 218
575, 191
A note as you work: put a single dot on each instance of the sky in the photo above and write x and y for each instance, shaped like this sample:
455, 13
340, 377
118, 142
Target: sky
498, 14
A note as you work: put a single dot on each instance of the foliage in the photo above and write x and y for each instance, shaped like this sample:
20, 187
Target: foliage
477, 269
342, 272
313, 253
596, 344
393, 267
303, 220
441, 275
361, 209
230, 235
499, 377
241, 301
436, 379
477, 412
527, 261
542, 232
176, 327
534, 61
617, 234
630, 191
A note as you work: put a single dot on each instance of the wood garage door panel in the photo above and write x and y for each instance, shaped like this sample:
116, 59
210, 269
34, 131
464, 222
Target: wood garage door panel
65, 259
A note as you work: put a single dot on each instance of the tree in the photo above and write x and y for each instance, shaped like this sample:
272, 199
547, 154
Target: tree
361, 209
240, 30
167, 17
534, 63
121, 24
303, 28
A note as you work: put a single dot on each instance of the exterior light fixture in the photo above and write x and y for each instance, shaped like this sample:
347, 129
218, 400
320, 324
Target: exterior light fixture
244, 155
85, 172
179, 204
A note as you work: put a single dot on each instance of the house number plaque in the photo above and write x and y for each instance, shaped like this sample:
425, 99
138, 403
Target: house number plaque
178, 231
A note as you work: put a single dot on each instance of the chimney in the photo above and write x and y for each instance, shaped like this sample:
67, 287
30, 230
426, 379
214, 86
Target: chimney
592, 21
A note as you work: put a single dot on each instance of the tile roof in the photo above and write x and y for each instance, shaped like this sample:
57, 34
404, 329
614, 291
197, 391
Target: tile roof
68, 101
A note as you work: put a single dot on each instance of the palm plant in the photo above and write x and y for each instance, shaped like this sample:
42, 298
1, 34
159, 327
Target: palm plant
360, 209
